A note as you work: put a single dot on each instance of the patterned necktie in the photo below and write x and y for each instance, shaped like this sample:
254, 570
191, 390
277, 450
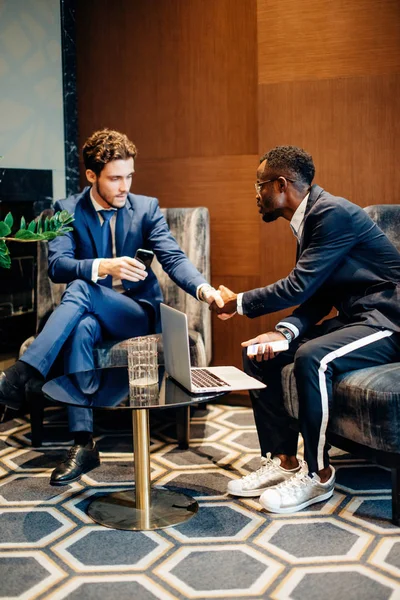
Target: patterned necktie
106, 243
106, 239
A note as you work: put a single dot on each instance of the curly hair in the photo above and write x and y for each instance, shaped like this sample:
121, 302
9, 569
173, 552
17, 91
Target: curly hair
106, 145
291, 161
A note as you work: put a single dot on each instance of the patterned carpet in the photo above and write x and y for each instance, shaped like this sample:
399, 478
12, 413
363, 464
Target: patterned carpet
345, 548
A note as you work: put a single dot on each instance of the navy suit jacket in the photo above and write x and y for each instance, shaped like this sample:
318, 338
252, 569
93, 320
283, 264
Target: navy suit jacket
345, 261
140, 224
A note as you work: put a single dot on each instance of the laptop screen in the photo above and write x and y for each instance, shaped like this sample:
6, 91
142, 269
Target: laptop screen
176, 344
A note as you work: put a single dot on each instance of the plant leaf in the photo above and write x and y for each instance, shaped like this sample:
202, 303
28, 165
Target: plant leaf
49, 235
25, 234
32, 226
64, 215
5, 260
9, 220
23, 223
4, 229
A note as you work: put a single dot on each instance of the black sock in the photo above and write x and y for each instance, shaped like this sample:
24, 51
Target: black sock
83, 438
20, 372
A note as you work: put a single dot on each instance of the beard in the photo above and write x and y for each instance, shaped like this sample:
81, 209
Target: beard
269, 217
111, 200
268, 211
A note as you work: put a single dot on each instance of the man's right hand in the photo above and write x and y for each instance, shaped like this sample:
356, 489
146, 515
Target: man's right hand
123, 267
264, 338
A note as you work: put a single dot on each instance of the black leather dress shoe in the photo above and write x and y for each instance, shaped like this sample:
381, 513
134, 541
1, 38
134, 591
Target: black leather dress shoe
80, 460
10, 394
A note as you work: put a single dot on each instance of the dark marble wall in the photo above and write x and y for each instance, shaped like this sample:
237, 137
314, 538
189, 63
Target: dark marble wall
67, 15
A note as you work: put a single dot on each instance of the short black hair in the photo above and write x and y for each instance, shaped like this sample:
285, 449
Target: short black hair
291, 161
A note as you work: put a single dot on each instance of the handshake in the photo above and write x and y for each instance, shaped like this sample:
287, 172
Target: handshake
222, 301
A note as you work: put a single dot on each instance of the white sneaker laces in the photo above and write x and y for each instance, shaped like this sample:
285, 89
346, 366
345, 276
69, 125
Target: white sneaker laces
267, 465
300, 480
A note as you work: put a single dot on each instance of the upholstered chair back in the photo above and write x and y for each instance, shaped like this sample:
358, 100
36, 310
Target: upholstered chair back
387, 217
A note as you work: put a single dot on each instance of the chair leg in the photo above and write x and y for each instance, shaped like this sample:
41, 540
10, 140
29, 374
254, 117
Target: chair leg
396, 496
183, 427
36, 402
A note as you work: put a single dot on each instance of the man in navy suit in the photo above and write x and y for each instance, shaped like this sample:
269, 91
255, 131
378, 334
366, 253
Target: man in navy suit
344, 261
110, 294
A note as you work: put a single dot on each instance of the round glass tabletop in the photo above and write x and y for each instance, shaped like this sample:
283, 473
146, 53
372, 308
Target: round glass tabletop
109, 388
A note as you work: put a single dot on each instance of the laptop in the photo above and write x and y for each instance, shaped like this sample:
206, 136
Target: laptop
197, 380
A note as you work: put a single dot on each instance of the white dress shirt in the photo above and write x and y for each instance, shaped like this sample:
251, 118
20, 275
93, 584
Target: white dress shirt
116, 283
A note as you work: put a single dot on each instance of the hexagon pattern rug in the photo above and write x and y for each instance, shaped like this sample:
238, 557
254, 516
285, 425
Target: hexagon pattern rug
343, 549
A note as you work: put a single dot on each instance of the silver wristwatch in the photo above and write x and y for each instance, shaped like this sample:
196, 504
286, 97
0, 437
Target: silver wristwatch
289, 335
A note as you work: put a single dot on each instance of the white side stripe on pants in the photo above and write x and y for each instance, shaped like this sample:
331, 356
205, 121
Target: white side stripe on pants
370, 339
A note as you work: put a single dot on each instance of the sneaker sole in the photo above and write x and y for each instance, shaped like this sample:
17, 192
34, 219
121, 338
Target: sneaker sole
298, 507
249, 493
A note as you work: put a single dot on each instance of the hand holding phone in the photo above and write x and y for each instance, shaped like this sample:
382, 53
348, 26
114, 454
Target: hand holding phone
144, 256
276, 346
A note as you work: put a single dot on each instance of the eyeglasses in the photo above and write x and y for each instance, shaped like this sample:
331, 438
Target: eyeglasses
259, 185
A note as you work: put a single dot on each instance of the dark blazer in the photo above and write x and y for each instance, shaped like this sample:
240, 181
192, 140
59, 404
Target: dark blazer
140, 224
345, 261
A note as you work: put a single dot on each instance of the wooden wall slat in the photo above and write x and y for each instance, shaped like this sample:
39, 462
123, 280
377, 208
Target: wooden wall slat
350, 126
322, 39
178, 76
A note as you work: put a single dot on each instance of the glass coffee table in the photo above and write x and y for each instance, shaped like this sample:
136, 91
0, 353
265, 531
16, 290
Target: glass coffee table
145, 507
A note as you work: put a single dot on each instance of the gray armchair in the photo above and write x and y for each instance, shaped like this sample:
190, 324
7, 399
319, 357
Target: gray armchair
365, 416
191, 229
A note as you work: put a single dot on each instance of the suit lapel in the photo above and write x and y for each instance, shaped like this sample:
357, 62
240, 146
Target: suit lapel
92, 222
315, 192
122, 227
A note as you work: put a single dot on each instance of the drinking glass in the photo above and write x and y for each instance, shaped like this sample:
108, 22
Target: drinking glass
142, 369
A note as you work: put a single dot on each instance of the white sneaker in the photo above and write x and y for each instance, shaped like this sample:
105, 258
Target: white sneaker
270, 473
297, 493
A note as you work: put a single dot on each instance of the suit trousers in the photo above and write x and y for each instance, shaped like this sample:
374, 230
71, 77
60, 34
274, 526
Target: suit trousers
87, 314
328, 350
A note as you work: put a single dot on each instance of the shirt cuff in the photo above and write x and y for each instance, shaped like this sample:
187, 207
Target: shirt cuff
289, 326
95, 270
239, 301
199, 287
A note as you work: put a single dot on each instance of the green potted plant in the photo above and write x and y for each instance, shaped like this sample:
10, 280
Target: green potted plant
40, 229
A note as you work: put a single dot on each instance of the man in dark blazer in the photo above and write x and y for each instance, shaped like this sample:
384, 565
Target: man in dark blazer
344, 261
110, 294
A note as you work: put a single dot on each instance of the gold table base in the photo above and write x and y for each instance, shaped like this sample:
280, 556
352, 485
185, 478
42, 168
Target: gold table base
118, 510
145, 508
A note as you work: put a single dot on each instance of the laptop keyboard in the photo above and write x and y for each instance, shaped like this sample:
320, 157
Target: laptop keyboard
202, 378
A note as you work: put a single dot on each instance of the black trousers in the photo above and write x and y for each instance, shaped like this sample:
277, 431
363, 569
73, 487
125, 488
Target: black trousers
328, 349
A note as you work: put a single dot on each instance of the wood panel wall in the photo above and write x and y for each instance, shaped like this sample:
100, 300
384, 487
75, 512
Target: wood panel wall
203, 87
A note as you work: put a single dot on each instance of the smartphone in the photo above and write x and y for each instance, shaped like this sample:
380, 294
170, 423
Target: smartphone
276, 345
145, 256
